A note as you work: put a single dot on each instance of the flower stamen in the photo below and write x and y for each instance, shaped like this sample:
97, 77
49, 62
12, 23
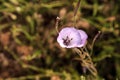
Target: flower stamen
67, 41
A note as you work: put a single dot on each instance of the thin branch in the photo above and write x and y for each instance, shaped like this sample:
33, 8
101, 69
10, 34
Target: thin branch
96, 36
75, 11
77, 7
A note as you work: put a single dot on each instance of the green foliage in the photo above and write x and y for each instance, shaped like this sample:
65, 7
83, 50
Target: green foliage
28, 46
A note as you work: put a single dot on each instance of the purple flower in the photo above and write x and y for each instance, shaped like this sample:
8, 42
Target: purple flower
71, 37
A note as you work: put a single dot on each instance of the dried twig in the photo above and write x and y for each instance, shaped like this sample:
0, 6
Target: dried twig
86, 60
56, 25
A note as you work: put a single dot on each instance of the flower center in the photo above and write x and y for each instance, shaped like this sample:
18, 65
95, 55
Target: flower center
66, 41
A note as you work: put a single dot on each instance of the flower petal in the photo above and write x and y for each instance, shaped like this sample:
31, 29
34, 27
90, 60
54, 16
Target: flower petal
83, 37
83, 34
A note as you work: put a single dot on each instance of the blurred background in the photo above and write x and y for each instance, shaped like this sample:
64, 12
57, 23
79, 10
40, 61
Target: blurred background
28, 46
